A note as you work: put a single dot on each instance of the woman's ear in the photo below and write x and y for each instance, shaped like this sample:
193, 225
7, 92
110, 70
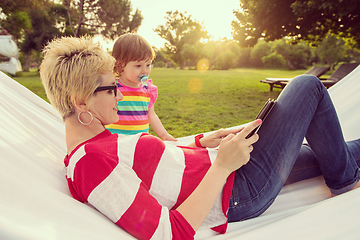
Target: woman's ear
80, 106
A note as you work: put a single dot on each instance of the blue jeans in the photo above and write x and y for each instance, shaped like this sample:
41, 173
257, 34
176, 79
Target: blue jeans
303, 110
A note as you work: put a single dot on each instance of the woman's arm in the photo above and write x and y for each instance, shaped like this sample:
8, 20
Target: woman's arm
213, 140
156, 124
234, 152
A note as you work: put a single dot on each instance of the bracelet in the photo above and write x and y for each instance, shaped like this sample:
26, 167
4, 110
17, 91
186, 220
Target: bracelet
197, 140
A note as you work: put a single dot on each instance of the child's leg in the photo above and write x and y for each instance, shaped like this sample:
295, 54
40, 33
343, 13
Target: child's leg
304, 108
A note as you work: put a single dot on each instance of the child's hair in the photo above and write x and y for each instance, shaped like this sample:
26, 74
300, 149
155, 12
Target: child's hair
72, 67
130, 47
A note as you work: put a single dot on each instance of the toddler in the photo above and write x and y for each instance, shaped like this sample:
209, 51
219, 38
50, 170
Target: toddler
136, 111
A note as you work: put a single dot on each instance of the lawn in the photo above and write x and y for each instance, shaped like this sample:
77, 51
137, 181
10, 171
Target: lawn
192, 102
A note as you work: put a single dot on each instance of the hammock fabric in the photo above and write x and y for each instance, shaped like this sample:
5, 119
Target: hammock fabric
35, 202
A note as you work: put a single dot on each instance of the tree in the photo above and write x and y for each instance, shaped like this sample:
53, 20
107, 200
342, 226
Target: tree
179, 30
261, 49
268, 19
161, 58
331, 50
274, 60
244, 58
226, 60
318, 18
297, 56
221, 54
110, 18
35, 22
32, 24
302, 19
211, 51
227, 54
192, 54
281, 53
44, 28
16, 20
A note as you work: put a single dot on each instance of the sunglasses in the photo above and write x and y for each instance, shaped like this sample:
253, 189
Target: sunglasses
104, 88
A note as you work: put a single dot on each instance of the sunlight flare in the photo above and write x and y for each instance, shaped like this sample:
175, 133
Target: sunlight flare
195, 85
203, 65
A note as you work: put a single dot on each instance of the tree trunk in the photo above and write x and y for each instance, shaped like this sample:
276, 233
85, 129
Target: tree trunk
80, 20
26, 66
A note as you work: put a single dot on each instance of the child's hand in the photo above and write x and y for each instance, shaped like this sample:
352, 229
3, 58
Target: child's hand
168, 137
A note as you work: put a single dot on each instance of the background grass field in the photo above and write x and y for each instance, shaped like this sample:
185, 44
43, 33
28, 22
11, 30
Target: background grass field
192, 102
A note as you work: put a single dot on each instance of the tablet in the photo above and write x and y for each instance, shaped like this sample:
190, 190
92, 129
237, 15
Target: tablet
264, 112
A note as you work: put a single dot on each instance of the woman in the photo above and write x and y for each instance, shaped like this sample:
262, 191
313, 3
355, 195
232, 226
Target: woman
157, 191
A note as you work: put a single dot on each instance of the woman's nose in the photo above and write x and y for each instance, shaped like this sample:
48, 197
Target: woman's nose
119, 95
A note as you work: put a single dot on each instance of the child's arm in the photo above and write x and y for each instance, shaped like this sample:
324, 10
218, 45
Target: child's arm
156, 124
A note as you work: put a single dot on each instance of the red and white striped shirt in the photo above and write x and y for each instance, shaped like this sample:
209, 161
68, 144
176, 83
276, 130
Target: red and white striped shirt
138, 181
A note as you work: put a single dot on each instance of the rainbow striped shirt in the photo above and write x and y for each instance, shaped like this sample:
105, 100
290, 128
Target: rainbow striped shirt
133, 109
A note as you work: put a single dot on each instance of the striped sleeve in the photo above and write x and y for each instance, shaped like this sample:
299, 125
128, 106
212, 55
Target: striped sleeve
113, 187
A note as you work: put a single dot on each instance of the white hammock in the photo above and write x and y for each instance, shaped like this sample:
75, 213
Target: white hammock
35, 202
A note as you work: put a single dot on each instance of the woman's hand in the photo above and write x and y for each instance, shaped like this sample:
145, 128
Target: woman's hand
213, 140
234, 150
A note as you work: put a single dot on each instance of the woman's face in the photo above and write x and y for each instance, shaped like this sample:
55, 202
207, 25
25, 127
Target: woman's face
105, 103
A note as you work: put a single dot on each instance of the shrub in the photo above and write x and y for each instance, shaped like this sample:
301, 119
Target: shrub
159, 64
274, 60
226, 60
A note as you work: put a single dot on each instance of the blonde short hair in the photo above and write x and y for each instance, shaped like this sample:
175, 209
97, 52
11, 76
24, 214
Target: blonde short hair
71, 68
131, 47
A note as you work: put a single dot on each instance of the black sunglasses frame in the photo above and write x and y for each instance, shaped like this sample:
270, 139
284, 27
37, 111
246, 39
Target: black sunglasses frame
104, 88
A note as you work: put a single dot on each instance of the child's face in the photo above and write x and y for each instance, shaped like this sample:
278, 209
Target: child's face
134, 69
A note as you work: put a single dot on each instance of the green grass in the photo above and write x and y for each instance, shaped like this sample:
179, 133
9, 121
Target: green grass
31, 80
192, 102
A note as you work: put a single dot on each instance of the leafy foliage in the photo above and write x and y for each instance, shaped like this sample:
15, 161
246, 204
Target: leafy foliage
43, 27
302, 19
332, 50
32, 24
274, 60
297, 56
17, 19
111, 17
179, 30
261, 49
